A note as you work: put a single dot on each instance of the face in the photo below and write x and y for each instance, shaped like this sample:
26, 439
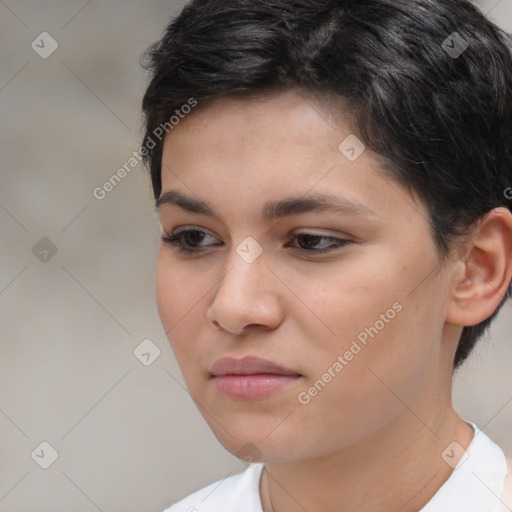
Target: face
339, 296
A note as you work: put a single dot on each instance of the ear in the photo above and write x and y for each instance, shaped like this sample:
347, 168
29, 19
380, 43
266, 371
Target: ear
484, 275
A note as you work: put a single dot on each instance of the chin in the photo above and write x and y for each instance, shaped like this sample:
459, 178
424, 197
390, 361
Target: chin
250, 445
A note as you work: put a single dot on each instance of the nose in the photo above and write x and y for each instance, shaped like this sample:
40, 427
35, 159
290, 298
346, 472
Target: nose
247, 296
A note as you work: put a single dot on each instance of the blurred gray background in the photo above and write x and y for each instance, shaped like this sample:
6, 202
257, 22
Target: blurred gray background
126, 435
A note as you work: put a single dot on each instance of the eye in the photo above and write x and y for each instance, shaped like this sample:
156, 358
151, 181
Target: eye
187, 240
191, 241
308, 241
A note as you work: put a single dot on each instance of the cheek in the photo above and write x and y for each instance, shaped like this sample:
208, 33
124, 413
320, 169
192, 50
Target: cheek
370, 319
370, 390
179, 290
165, 293
178, 302
181, 301
348, 297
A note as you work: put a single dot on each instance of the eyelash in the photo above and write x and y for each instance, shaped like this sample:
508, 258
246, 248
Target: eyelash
175, 242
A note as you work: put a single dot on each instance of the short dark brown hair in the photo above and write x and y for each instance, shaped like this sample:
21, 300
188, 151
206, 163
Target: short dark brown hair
428, 84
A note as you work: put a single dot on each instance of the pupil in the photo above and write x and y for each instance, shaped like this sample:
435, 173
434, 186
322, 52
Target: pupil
311, 240
194, 236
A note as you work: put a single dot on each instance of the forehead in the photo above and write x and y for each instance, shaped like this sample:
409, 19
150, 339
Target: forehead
284, 122
252, 138
251, 150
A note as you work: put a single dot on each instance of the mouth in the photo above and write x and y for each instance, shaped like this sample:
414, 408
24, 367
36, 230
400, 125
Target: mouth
251, 378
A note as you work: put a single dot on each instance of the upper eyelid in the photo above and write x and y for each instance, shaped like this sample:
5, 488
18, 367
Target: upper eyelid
311, 231
187, 229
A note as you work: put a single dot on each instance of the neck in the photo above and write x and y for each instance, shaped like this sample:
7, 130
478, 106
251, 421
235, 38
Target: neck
377, 474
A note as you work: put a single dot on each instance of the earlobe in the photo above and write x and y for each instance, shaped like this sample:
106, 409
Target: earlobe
486, 272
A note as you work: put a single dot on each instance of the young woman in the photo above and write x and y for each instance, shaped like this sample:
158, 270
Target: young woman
333, 181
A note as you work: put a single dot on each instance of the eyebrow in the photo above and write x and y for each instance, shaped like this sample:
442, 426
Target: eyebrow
273, 209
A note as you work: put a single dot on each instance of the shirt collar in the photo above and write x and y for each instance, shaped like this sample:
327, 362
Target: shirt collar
476, 483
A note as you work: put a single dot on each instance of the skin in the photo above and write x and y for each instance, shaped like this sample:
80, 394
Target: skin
372, 438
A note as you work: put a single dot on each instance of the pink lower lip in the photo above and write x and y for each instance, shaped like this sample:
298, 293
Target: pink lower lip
252, 387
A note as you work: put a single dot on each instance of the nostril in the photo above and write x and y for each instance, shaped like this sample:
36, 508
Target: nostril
216, 324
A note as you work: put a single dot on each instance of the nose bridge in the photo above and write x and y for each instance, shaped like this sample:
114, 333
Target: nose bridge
246, 272
243, 296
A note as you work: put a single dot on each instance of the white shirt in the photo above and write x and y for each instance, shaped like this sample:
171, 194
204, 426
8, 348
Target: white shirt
477, 484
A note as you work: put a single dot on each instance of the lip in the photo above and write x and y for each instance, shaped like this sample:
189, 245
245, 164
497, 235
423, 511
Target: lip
248, 366
250, 378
